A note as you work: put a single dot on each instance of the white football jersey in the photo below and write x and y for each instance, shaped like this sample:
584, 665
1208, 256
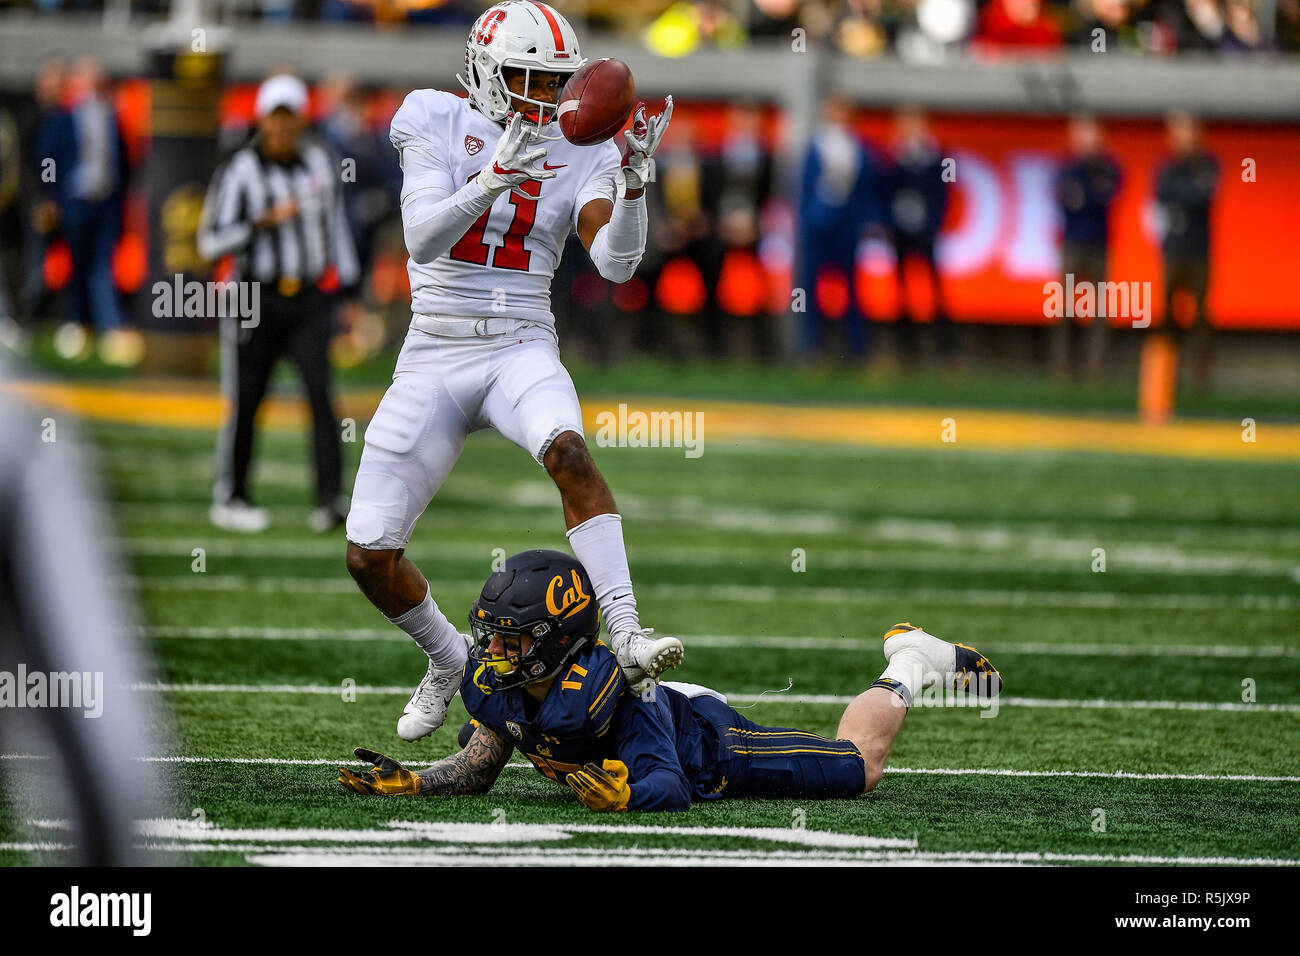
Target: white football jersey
503, 266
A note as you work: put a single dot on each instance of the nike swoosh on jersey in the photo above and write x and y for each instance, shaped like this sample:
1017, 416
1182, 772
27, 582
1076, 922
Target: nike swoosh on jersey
546, 165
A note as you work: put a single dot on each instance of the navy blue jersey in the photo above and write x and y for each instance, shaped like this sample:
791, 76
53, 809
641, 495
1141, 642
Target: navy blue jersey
1085, 189
677, 749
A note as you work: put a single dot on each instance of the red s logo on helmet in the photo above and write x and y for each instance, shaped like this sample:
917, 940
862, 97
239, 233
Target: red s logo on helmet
487, 27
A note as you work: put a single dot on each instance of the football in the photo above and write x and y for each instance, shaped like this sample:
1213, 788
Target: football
596, 102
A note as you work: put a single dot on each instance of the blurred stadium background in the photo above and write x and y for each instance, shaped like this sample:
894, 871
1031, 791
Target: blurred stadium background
992, 85
993, 537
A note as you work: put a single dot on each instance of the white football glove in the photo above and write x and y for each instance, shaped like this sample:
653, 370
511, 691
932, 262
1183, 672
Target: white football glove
512, 163
642, 141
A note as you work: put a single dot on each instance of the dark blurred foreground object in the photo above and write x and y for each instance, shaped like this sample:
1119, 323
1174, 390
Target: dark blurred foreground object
59, 615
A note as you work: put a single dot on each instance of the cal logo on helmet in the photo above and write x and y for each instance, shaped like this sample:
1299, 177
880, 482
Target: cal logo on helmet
571, 600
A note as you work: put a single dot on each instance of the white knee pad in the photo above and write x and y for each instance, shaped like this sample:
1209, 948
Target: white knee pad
379, 518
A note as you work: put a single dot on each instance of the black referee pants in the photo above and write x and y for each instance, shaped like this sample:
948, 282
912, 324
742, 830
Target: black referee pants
298, 328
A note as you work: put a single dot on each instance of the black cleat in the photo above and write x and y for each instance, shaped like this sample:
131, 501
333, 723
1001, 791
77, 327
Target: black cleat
975, 674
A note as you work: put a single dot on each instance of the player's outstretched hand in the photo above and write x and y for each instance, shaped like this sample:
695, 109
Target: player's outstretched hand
642, 141
514, 163
602, 787
388, 779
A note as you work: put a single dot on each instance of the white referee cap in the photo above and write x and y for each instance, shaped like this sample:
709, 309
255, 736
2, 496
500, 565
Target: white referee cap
281, 90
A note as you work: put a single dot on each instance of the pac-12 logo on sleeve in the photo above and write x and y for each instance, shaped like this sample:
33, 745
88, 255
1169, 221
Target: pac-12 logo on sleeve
473, 144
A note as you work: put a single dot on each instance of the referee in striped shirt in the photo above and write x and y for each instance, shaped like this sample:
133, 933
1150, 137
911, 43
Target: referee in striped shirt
276, 207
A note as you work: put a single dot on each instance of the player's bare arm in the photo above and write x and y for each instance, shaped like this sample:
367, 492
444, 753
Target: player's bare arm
614, 231
473, 770
470, 771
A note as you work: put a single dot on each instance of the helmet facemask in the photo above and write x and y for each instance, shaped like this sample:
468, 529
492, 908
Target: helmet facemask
540, 116
514, 666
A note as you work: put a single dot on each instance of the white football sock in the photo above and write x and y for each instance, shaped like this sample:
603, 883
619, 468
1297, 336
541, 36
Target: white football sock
918, 660
907, 667
436, 635
598, 544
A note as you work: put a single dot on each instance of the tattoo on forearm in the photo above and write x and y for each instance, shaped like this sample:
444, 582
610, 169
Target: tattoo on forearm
471, 771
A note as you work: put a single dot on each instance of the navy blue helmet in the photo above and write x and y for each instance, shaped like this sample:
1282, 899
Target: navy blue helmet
542, 595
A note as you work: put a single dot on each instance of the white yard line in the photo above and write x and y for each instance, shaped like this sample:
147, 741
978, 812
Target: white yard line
468, 843
1025, 554
749, 594
919, 771
1042, 538
277, 854
388, 856
35, 847
1051, 703
1097, 774
405, 831
763, 642
679, 857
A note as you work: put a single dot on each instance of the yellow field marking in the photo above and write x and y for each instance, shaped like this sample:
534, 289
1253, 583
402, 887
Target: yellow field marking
200, 406
913, 427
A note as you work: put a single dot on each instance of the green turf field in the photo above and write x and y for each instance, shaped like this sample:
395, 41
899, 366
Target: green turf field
1126, 690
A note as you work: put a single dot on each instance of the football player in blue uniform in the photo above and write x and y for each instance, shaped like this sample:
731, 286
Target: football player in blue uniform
540, 680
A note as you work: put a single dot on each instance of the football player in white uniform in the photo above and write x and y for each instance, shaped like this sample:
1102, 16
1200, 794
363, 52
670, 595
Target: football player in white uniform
490, 193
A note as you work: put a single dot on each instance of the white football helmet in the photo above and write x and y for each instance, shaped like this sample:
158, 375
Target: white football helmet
520, 34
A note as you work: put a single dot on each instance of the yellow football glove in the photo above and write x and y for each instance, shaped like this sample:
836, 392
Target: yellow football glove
388, 779
602, 788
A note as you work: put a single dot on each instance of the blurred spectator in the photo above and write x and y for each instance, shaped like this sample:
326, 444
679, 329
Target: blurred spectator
1200, 26
1016, 24
746, 185
916, 201
684, 27
1288, 25
372, 185
773, 18
926, 29
683, 235
1113, 17
1185, 187
12, 335
1241, 29
833, 208
90, 170
401, 11
371, 192
42, 213
1085, 189
859, 29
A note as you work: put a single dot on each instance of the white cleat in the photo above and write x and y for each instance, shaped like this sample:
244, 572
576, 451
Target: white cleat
239, 516
643, 657
427, 708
